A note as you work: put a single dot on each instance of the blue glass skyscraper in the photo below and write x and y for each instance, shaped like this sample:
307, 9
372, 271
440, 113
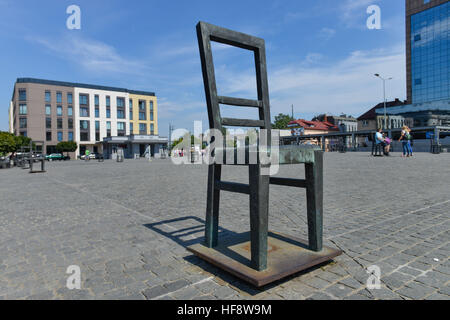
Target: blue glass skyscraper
430, 54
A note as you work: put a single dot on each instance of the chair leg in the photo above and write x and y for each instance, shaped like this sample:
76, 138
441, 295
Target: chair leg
212, 206
314, 199
259, 215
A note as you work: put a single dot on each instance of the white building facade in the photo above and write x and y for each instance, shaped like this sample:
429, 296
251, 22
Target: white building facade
99, 114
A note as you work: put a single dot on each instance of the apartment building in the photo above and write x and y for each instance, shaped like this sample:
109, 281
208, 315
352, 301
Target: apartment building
44, 111
54, 111
143, 114
100, 113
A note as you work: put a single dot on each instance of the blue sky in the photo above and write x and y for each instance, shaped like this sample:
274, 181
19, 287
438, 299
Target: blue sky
321, 56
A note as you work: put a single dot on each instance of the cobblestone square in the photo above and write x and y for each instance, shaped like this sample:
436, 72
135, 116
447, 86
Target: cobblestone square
127, 226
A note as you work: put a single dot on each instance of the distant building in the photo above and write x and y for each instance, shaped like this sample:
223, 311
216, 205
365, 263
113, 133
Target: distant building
427, 50
55, 111
302, 127
374, 118
344, 122
11, 117
427, 62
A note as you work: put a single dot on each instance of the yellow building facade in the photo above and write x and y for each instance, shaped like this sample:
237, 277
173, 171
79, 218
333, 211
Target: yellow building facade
143, 114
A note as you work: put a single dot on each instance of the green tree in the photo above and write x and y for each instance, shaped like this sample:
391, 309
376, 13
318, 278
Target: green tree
22, 141
7, 143
66, 146
281, 121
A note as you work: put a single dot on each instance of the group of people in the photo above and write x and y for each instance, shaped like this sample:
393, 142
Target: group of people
405, 138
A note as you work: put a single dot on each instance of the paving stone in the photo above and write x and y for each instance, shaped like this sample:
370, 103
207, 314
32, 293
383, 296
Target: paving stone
130, 242
339, 290
415, 290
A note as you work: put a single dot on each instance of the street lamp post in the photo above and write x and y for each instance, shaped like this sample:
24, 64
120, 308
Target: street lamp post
384, 97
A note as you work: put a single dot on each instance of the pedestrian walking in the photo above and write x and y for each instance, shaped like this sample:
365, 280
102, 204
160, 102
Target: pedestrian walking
406, 138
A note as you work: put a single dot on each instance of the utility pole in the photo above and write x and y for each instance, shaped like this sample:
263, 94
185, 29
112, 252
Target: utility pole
292, 112
384, 97
170, 137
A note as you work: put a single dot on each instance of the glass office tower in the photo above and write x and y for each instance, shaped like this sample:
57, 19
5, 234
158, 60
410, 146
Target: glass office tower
429, 37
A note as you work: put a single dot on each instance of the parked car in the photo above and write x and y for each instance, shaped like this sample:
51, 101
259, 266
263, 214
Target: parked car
91, 156
56, 156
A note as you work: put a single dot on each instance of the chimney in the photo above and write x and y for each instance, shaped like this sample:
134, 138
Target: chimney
325, 118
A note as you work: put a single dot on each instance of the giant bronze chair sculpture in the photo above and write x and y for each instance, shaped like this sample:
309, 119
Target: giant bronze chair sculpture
287, 255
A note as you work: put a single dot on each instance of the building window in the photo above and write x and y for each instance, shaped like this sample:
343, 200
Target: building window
84, 112
108, 112
48, 110
97, 136
142, 116
131, 114
120, 114
84, 136
97, 100
151, 105
58, 97
108, 101
22, 95
131, 127
97, 125
70, 123
152, 129
23, 109
97, 112
120, 129
142, 128
108, 129
70, 136
84, 130
48, 136
418, 82
60, 136
48, 123
22, 123
69, 98
151, 115
70, 111
120, 102
417, 37
84, 125
23, 133
59, 110
131, 103
59, 123
48, 96
83, 99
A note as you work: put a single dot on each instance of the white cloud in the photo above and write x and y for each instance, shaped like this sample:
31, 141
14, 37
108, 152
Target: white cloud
92, 55
352, 12
347, 85
327, 33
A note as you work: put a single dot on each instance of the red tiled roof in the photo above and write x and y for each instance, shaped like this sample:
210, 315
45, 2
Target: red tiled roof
314, 125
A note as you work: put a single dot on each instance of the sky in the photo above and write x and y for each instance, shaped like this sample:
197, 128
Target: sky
321, 57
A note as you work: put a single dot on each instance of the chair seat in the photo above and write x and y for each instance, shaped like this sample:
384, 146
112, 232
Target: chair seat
290, 154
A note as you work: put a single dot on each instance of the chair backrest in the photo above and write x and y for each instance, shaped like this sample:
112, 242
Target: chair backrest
207, 33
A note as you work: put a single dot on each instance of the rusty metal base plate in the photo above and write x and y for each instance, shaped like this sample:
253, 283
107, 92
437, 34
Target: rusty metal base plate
286, 255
